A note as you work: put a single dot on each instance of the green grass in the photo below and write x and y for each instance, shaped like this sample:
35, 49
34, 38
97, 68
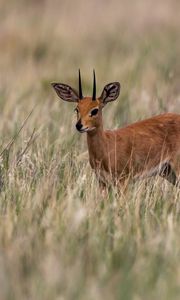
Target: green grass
59, 237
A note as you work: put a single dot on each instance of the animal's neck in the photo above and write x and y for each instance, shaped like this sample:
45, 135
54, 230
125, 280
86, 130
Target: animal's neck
96, 142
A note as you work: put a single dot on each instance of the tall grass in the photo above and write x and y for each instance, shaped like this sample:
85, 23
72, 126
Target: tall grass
59, 238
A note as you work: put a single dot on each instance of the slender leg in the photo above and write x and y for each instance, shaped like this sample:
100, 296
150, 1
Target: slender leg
103, 189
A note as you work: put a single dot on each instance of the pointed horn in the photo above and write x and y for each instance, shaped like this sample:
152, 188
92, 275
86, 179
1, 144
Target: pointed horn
80, 86
94, 86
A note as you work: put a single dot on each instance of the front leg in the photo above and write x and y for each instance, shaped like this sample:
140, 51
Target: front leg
120, 185
104, 190
104, 182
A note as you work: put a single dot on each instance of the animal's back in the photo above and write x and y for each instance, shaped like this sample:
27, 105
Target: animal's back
144, 144
168, 122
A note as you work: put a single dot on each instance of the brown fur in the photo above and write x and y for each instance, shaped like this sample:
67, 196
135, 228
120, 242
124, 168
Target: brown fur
138, 150
146, 148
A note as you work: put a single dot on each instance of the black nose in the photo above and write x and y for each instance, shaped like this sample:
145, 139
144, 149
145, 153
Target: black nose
79, 125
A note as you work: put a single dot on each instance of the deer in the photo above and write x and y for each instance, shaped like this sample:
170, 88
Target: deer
143, 149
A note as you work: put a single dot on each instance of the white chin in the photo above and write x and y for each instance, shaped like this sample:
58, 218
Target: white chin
87, 129
91, 129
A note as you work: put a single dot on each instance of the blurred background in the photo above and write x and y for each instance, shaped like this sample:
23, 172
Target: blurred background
136, 43
58, 238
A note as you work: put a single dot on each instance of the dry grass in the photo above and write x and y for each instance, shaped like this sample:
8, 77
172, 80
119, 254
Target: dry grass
58, 238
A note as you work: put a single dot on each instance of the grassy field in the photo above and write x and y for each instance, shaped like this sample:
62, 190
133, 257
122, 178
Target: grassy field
59, 238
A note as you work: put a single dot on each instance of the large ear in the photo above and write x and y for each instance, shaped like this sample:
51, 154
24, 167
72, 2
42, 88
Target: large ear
110, 92
65, 92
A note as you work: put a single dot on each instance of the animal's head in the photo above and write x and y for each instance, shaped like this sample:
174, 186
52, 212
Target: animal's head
89, 109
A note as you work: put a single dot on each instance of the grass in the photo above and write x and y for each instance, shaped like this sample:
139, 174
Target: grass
59, 238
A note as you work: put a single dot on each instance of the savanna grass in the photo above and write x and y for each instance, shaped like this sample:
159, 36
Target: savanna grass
59, 237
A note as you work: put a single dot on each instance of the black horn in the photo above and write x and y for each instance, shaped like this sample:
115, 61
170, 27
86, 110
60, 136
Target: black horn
80, 86
94, 86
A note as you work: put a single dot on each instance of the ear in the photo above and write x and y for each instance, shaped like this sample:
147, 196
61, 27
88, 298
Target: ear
65, 92
110, 92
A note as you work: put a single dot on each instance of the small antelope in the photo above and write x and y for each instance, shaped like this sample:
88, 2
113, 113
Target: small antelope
145, 148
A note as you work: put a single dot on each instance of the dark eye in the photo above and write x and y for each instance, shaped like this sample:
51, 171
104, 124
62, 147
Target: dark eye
94, 112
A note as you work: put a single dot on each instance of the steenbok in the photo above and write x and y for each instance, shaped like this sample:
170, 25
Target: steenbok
146, 148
